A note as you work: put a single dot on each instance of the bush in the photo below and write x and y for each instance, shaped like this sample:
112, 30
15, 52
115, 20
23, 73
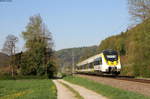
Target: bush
51, 69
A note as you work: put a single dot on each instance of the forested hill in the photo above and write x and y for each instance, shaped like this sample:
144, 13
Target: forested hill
66, 55
4, 59
134, 47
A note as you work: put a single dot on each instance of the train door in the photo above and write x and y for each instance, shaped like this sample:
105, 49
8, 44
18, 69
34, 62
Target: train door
97, 64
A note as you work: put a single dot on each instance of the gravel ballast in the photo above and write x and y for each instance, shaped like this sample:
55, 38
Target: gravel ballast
142, 88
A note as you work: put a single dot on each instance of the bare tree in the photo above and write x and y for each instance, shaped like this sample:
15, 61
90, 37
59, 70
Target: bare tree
9, 48
139, 9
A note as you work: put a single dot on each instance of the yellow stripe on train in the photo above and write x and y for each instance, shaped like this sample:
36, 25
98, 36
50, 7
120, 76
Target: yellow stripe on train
110, 63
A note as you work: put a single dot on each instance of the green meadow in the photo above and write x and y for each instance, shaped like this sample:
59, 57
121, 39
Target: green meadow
27, 89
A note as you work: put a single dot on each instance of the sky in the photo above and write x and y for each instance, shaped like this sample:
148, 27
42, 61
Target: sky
73, 23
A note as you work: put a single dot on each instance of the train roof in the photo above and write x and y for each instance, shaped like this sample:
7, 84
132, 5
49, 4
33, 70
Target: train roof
109, 51
90, 59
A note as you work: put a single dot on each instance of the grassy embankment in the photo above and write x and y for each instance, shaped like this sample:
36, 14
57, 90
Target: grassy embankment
105, 90
27, 89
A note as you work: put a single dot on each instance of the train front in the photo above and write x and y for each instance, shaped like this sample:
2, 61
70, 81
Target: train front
112, 62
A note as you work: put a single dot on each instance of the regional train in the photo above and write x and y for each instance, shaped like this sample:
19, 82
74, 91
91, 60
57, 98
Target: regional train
107, 62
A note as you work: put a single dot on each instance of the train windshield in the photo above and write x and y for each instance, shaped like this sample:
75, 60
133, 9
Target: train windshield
110, 55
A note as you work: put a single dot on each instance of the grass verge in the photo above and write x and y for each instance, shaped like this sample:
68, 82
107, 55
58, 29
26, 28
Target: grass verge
77, 95
27, 89
8, 77
105, 90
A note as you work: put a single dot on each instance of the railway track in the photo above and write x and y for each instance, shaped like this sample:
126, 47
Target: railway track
124, 82
133, 79
127, 78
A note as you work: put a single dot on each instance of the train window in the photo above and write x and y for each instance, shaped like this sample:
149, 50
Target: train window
110, 55
86, 66
98, 61
83, 67
80, 67
91, 65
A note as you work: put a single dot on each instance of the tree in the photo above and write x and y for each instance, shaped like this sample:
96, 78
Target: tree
39, 47
139, 9
10, 49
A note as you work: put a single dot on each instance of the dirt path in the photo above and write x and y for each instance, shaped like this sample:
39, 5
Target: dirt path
63, 92
126, 85
85, 93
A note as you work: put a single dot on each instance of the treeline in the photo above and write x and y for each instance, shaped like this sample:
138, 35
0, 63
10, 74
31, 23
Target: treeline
38, 57
134, 48
134, 44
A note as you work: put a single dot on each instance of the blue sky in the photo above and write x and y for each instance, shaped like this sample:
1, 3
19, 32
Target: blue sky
73, 23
